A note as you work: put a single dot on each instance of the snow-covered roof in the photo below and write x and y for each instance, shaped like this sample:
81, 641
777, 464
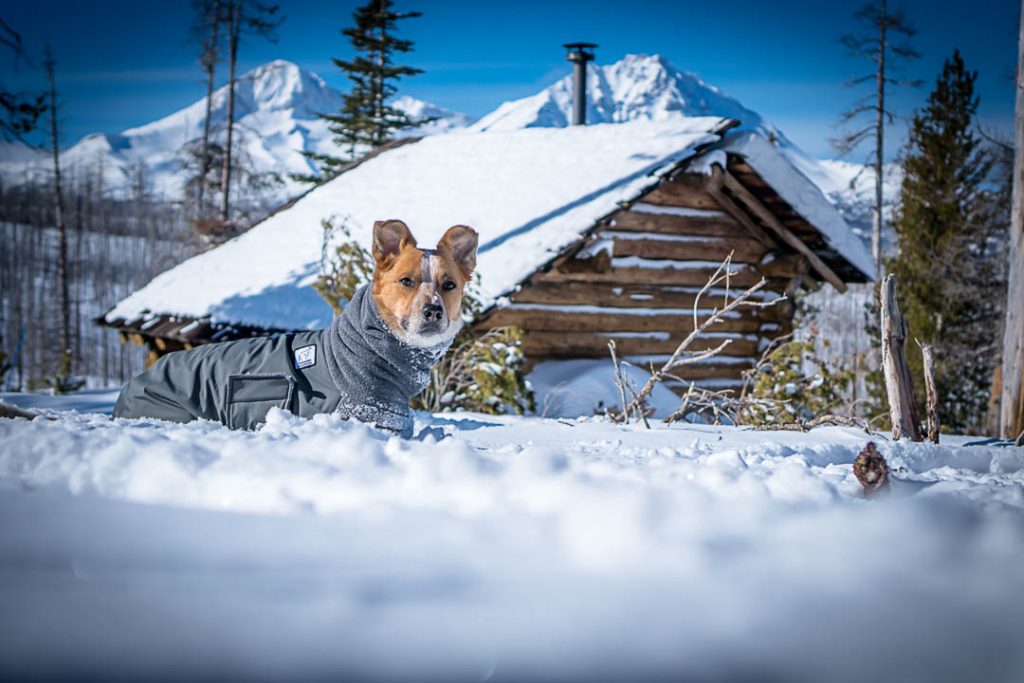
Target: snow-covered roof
528, 193
801, 193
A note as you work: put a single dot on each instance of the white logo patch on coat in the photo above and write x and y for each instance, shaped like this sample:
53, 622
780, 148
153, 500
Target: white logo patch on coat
305, 357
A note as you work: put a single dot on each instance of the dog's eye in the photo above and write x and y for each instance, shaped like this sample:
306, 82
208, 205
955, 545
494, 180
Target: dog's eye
448, 286
407, 282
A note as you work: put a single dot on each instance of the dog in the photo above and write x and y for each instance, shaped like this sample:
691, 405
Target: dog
373, 358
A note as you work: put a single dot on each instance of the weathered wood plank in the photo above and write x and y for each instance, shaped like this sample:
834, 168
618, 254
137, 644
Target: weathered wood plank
899, 384
740, 192
626, 296
753, 229
703, 226
749, 320
686, 190
683, 277
744, 250
591, 345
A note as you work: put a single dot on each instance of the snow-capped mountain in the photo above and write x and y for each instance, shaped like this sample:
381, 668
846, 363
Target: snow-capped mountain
649, 87
276, 119
635, 87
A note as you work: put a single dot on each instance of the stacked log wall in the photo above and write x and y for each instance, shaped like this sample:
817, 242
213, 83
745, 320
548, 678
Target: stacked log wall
636, 280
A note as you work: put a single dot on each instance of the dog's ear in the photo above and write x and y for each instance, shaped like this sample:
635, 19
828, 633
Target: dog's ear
460, 241
389, 237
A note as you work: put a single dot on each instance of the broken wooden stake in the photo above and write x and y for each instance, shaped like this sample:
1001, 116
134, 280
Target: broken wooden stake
899, 386
871, 470
931, 394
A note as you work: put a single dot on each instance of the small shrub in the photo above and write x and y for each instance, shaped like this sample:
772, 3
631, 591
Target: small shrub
345, 269
481, 373
791, 384
64, 382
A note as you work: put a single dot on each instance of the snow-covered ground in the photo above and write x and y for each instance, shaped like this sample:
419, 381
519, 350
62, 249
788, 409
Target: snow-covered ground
515, 548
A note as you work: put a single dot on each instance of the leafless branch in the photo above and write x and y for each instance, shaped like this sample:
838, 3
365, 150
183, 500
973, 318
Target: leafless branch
683, 355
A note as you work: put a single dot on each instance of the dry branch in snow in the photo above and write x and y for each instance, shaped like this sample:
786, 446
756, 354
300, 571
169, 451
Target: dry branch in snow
682, 356
931, 394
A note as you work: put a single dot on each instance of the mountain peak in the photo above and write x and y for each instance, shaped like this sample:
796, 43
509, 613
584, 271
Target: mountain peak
638, 86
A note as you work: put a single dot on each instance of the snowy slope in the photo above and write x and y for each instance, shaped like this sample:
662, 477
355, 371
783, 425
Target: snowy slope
515, 549
528, 193
276, 112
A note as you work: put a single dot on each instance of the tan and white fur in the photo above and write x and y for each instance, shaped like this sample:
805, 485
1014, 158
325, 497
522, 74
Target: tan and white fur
419, 292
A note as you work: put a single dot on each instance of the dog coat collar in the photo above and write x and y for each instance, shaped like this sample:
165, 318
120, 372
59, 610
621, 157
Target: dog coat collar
376, 372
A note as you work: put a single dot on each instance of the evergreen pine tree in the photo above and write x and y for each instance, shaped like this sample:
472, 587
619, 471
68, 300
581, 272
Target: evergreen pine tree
366, 120
948, 266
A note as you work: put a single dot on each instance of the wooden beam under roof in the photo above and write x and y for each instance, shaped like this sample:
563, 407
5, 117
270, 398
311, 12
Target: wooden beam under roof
743, 195
715, 190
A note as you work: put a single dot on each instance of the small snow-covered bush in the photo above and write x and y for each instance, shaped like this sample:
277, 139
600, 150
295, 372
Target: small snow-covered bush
790, 384
345, 269
64, 382
482, 372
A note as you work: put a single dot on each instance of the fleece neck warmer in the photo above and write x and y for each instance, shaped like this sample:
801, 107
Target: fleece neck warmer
376, 372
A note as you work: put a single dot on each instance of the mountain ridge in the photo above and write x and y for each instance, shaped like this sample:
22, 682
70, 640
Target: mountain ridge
277, 107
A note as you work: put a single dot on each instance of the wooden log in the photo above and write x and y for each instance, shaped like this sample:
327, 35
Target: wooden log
785, 234
992, 417
702, 226
685, 190
753, 229
599, 294
899, 385
747, 321
560, 343
133, 337
1011, 408
745, 276
743, 250
600, 262
931, 394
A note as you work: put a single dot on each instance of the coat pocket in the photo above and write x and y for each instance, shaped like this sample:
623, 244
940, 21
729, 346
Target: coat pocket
250, 397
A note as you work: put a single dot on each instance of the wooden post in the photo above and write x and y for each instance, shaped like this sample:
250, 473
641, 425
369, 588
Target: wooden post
931, 395
899, 386
1011, 412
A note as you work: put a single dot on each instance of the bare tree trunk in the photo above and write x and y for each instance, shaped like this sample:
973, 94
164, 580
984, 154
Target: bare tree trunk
378, 96
210, 64
234, 31
931, 394
58, 211
1011, 413
899, 385
876, 219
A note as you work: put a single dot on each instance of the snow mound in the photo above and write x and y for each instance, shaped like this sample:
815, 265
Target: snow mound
520, 548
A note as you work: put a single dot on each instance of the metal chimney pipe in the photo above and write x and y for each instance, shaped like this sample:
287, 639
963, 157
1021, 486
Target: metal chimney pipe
579, 55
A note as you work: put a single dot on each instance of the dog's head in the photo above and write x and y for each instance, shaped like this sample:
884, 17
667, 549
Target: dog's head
419, 291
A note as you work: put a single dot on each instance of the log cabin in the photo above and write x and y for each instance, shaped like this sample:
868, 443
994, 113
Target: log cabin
587, 234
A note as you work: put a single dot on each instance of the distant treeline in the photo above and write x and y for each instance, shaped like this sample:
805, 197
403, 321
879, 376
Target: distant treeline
115, 246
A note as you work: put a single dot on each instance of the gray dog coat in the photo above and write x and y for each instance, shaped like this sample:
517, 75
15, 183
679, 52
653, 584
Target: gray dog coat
357, 367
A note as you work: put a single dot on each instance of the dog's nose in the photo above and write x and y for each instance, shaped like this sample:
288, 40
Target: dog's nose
432, 313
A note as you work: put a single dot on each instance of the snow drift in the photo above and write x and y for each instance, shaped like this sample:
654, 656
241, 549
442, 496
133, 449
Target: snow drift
515, 548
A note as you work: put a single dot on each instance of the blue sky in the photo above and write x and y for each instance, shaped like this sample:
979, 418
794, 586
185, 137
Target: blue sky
126, 63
